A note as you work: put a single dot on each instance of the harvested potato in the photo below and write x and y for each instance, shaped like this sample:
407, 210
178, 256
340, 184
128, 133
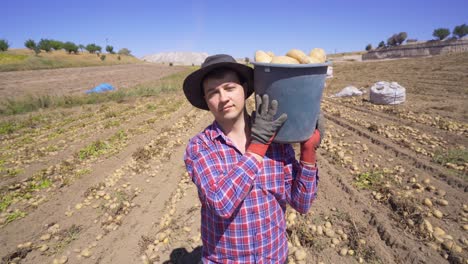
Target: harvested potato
319, 54
261, 56
314, 60
299, 55
293, 56
284, 60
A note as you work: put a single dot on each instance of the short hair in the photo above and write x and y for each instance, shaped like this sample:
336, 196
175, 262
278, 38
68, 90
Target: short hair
219, 73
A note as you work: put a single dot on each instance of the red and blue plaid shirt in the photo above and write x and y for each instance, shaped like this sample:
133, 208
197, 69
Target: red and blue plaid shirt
244, 200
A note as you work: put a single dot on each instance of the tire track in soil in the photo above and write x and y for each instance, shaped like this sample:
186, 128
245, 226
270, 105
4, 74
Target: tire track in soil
396, 119
18, 231
399, 152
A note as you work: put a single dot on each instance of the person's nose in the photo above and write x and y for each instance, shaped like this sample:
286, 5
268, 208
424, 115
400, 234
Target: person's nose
223, 96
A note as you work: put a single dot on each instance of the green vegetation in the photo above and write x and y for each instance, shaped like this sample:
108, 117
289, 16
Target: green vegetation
82, 172
4, 45
369, 180
397, 39
31, 44
93, 48
124, 51
7, 127
70, 47
94, 149
5, 201
100, 147
30, 103
381, 44
45, 45
39, 184
460, 31
456, 156
110, 49
368, 47
441, 33
14, 215
6, 58
66, 237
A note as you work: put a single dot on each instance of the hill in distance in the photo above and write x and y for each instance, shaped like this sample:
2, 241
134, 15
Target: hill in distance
177, 57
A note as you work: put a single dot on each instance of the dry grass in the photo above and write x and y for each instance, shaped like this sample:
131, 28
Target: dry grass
23, 59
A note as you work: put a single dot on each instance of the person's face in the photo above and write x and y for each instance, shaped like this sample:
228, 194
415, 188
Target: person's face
225, 97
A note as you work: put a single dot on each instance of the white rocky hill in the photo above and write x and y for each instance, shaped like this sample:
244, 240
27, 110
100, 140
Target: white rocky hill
177, 58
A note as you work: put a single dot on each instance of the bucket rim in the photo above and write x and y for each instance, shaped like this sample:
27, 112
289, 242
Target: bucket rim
280, 65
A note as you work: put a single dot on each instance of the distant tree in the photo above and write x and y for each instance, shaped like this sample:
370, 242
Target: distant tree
110, 49
56, 44
247, 60
369, 47
400, 38
70, 47
45, 45
460, 31
411, 40
93, 48
81, 47
124, 51
4, 45
441, 33
30, 44
381, 44
392, 41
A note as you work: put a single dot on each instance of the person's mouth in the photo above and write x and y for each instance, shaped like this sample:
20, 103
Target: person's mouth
226, 108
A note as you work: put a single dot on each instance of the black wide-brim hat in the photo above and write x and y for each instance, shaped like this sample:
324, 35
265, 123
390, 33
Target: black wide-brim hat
193, 86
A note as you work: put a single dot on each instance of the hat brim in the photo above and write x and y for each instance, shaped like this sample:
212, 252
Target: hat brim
193, 87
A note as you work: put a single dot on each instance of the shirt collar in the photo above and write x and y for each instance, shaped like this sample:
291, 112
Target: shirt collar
215, 131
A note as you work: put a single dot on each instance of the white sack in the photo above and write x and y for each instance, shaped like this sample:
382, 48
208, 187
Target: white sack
387, 93
348, 91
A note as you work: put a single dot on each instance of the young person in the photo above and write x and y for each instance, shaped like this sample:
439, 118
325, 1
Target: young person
244, 180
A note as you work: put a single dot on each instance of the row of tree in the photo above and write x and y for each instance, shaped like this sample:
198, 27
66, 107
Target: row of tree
439, 33
49, 45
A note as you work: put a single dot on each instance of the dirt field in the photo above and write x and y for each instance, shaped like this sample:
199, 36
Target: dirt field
107, 184
77, 80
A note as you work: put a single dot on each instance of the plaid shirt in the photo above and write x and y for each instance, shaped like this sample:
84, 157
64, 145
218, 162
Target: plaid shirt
244, 200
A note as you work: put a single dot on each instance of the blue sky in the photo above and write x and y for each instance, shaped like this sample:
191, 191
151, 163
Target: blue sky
235, 27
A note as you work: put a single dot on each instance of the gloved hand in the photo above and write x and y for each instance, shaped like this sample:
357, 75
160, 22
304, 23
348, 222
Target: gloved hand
308, 148
264, 128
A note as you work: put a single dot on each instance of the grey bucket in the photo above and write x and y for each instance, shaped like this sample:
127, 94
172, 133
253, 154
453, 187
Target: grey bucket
298, 89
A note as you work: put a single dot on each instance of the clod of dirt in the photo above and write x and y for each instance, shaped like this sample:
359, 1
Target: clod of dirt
300, 254
343, 251
86, 253
442, 202
329, 232
437, 213
427, 202
61, 260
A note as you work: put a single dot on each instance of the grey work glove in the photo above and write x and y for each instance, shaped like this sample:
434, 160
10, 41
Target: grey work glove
263, 126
